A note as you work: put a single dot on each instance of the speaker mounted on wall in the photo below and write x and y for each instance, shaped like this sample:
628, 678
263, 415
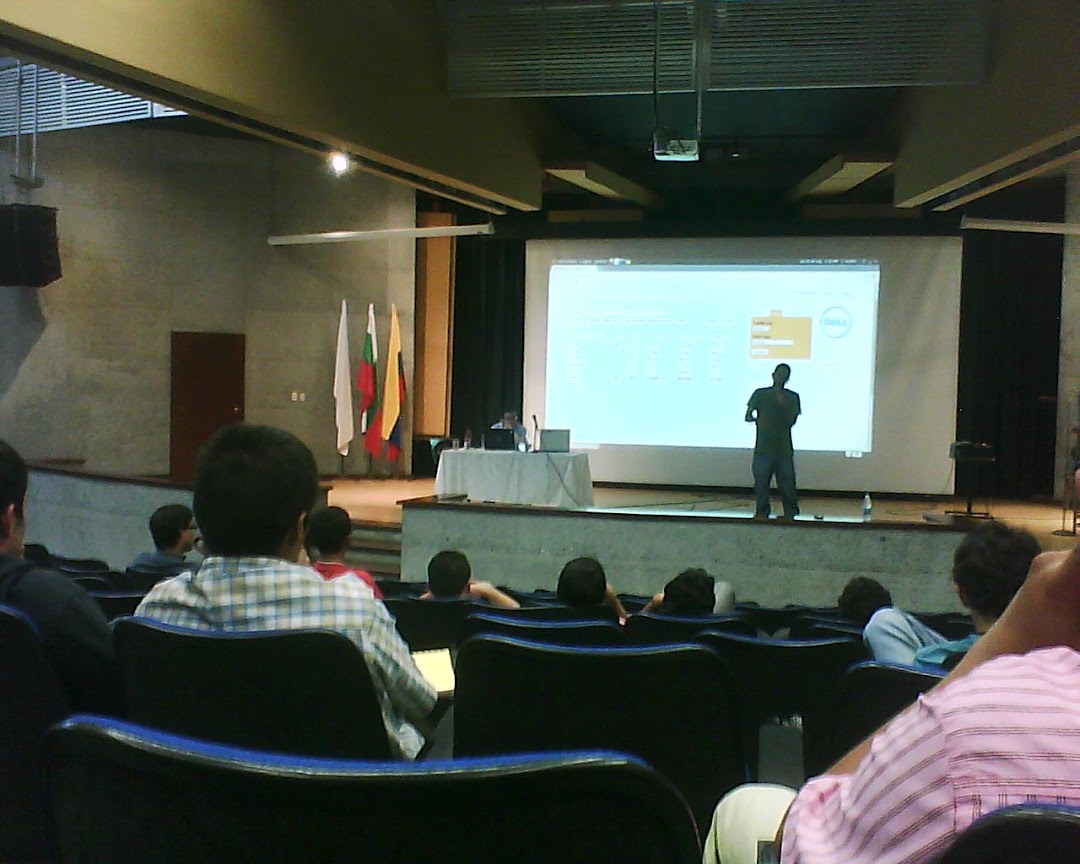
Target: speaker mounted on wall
29, 246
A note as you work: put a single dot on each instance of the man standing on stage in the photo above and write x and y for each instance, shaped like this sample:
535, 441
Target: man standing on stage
775, 410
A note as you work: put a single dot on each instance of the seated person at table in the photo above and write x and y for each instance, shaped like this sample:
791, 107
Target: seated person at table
327, 540
174, 533
1001, 729
583, 585
449, 578
989, 566
510, 421
861, 598
254, 488
693, 592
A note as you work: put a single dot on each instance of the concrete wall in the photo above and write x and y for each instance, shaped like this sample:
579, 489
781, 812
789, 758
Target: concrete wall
164, 231
773, 563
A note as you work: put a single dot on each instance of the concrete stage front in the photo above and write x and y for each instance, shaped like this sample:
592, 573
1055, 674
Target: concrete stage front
774, 562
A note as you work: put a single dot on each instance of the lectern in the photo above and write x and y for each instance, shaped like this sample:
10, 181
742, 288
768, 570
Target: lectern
977, 453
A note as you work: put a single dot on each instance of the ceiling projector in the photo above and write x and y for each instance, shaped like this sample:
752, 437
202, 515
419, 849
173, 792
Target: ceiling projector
669, 149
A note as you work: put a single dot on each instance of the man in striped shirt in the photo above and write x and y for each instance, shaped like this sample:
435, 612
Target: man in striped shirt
1002, 729
254, 488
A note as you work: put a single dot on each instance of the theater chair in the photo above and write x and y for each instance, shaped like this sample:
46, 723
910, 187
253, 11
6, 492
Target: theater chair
31, 700
778, 679
429, 624
649, 628
117, 604
122, 792
865, 697
588, 632
561, 612
1037, 833
671, 705
293, 691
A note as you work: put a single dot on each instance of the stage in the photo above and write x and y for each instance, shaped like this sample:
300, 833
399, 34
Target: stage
646, 535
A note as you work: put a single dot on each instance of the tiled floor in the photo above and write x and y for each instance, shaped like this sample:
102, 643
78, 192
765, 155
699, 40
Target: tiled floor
378, 501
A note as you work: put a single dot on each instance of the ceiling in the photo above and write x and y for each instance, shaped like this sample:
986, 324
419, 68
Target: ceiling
771, 91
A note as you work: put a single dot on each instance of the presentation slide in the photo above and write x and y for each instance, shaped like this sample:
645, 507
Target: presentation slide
648, 349
669, 355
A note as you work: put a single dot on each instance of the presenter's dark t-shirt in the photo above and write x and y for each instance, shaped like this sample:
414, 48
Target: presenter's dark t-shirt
776, 413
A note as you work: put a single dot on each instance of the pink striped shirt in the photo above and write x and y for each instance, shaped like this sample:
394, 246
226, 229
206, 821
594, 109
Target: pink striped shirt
1006, 733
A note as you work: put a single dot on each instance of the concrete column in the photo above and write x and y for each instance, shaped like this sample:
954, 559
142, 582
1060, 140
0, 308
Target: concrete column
1069, 356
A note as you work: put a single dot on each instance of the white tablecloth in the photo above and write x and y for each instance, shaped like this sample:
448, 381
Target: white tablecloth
511, 477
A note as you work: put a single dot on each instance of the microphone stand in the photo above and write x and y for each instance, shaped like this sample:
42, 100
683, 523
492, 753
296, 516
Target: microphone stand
536, 435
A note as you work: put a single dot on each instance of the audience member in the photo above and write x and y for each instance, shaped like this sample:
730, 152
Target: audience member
989, 566
174, 533
861, 598
328, 533
254, 488
449, 578
978, 741
75, 633
693, 592
583, 585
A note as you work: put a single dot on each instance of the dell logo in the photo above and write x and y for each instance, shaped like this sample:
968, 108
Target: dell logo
835, 322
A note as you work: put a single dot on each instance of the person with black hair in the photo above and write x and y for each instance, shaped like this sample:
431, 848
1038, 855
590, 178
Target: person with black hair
861, 598
73, 628
693, 592
254, 488
509, 420
774, 411
583, 585
450, 578
173, 529
327, 541
989, 566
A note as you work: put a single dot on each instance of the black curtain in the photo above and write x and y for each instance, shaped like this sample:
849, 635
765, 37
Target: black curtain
1010, 310
489, 333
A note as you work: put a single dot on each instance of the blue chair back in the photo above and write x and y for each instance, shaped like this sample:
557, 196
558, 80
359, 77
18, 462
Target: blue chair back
126, 793
671, 705
1025, 834
292, 691
649, 628
588, 632
429, 624
561, 612
31, 700
780, 678
117, 604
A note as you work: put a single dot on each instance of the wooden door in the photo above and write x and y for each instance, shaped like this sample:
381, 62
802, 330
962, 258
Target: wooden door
207, 384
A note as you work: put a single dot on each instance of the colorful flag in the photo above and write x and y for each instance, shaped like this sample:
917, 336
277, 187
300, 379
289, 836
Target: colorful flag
366, 383
393, 392
343, 413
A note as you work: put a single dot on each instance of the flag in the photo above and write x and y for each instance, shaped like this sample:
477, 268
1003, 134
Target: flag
367, 384
343, 416
393, 399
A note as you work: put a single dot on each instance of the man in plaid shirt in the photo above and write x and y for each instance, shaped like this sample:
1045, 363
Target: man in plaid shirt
254, 488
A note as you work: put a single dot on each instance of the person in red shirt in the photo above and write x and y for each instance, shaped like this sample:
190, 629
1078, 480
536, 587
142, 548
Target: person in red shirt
327, 538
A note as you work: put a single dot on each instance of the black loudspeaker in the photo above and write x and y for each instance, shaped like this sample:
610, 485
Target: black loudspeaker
29, 247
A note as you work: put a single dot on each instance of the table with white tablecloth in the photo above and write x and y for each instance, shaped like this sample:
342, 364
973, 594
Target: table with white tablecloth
512, 477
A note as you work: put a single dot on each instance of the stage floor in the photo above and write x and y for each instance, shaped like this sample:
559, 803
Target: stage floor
376, 501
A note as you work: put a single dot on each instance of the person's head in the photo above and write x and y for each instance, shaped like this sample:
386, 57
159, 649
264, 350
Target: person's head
254, 486
510, 419
861, 598
173, 528
13, 477
690, 593
582, 582
448, 574
328, 530
781, 374
990, 565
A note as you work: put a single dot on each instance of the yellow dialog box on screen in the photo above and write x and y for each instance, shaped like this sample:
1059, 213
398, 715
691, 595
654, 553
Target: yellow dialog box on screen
777, 337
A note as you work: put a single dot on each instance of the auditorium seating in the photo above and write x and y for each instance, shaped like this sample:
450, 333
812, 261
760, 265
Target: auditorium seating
1035, 833
38, 555
951, 625
117, 604
400, 588
804, 626
121, 792
78, 566
430, 624
142, 580
298, 691
865, 697
778, 679
672, 705
562, 612
655, 629
770, 621
31, 700
586, 632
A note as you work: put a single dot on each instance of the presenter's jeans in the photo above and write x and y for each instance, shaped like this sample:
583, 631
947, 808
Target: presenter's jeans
783, 466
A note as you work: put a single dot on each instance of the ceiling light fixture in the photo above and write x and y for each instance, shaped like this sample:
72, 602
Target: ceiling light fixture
339, 163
